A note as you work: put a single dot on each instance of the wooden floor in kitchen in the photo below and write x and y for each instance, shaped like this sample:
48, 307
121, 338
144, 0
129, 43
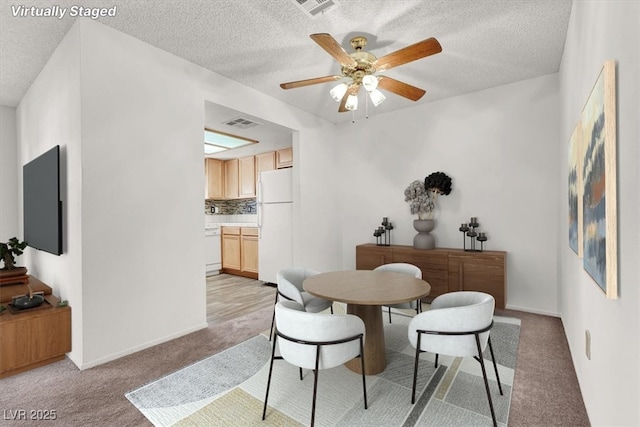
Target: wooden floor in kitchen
230, 296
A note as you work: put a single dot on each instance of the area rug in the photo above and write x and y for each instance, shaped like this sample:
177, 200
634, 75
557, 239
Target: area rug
228, 388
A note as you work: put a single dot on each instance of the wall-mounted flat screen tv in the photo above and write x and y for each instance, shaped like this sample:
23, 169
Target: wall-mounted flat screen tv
42, 205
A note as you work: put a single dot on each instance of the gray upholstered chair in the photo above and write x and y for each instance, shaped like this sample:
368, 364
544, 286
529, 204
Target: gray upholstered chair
289, 283
410, 269
316, 341
457, 325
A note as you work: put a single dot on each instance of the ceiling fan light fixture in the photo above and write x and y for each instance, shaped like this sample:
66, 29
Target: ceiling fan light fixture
369, 82
338, 92
376, 97
352, 103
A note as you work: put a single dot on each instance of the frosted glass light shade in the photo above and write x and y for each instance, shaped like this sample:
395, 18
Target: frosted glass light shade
377, 97
352, 103
338, 92
370, 83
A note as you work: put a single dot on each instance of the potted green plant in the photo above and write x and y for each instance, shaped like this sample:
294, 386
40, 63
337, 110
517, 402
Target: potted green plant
8, 251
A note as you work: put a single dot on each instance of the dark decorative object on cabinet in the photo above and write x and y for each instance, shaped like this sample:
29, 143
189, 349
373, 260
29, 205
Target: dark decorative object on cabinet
383, 233
469, 230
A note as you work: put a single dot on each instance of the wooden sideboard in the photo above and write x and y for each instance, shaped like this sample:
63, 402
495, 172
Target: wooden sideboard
34, 337
446, 270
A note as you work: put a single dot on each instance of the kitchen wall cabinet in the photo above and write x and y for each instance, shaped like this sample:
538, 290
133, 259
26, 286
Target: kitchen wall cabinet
446, 270
265, 162
231, 178
240, 178
284, 158
247, 177
214, 179
237, 178
240, 251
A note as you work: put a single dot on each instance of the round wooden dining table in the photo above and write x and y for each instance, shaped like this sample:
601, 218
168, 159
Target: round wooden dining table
364, 292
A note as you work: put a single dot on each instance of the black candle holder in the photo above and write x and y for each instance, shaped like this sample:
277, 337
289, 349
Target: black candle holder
469, 230
383, 233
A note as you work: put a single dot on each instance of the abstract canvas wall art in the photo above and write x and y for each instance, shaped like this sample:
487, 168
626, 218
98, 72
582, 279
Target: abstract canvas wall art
575, 190
600, 247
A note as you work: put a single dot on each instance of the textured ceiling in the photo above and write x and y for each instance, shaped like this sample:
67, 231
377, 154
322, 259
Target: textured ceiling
262, 43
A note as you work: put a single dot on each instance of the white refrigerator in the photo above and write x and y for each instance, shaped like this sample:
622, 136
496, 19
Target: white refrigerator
275, 222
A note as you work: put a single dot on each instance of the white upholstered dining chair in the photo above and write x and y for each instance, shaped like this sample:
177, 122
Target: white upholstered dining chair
458, 325
405, 268
316, 341
289, 287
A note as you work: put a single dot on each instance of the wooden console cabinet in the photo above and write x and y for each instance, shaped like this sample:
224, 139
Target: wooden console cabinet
34, 337
446, 270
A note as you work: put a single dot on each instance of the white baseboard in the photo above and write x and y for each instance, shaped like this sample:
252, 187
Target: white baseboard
532, 310
137, 348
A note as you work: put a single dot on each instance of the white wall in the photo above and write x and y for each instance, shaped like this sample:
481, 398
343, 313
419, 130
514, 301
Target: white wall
610, 381
130, 119
49, 115
495, 146
8, 175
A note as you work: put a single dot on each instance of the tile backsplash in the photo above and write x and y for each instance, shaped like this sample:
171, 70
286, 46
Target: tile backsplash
231, 207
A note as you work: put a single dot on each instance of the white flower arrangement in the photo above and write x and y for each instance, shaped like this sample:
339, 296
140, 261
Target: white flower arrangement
420, 200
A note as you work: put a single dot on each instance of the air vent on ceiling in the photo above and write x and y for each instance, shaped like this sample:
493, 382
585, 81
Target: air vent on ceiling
315, 8
241, 123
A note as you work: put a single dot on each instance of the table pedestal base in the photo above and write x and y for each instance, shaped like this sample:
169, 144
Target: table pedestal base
374, 350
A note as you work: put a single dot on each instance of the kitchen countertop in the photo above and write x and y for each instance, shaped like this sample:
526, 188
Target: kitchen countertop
233, 224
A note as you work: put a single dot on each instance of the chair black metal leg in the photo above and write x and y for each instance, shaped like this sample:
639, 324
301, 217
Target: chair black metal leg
364, 381
495, 366
273, 318
389, 308
315, 386
436, 360
300, 373
331, 308
486, 381
266, 397
415, 371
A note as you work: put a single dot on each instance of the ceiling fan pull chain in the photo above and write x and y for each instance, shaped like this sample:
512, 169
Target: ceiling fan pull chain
353, 116
366, 106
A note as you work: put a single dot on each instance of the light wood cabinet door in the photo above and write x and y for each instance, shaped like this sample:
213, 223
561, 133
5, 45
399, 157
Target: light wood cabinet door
284, 158
231, 248
231, 182
247, 177
214, 179
265, 162
249, 250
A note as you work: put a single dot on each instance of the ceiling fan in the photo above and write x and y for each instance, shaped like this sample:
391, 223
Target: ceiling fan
360, 68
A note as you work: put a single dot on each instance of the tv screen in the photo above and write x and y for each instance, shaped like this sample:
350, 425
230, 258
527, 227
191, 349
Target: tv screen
42, 206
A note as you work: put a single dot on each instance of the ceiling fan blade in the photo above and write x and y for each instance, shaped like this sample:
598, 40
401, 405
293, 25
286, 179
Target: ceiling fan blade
308, 82
400, 88
352, 90
333, 48
419, 50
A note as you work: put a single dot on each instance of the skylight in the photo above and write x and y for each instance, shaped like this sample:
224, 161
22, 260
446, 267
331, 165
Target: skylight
215, 141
